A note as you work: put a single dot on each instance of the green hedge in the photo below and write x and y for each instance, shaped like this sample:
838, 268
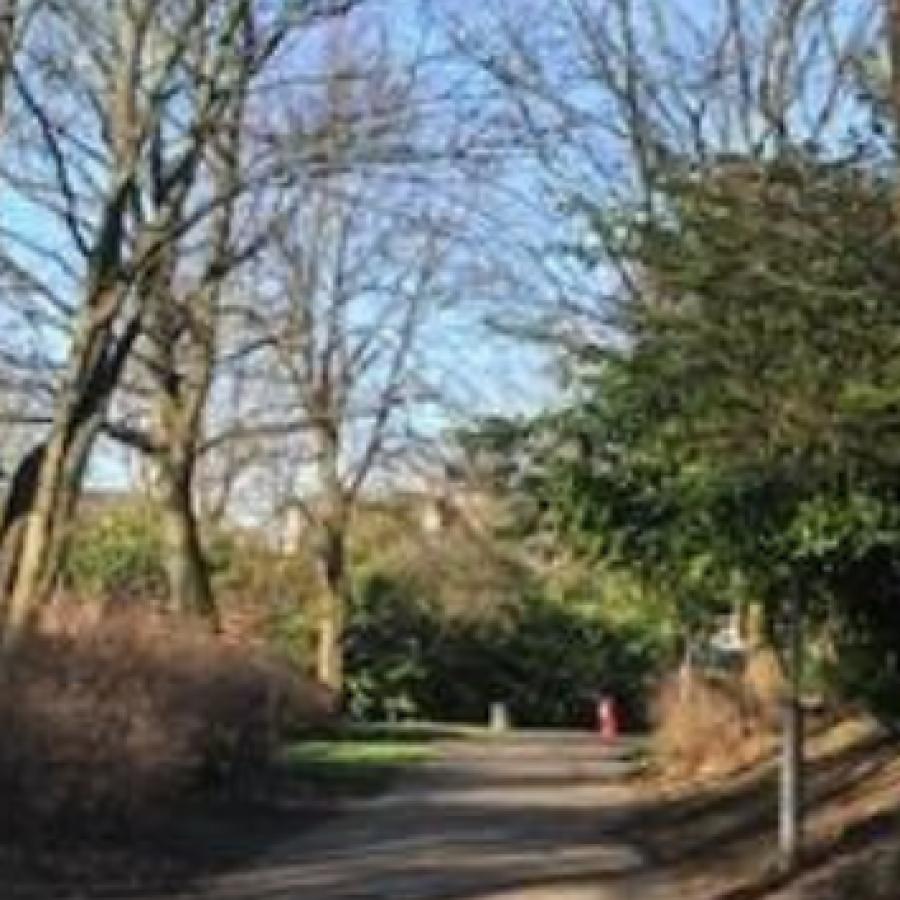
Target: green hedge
116, 552
546, 659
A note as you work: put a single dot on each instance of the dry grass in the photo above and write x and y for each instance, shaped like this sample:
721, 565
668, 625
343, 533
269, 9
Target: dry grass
107, 722
716, 836
716, 725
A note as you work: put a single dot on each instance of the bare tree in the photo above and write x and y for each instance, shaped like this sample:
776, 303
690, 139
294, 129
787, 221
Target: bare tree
183, 345
345, 350
178, 353
612, 95
344, 298
119, 141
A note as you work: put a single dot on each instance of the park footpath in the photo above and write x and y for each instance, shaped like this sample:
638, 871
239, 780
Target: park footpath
528, 815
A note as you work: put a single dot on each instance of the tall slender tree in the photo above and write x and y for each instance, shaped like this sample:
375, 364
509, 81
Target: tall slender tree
122, 134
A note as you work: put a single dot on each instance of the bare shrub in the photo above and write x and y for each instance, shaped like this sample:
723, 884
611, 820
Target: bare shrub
763, 684
714, 725
105, 725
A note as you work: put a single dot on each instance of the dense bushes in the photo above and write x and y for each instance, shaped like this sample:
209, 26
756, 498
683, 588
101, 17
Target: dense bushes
546, 659
107, 723
857, 622
438, 630
116, 553
116, 556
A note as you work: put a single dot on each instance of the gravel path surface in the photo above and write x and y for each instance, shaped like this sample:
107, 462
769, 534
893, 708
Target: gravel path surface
528, 816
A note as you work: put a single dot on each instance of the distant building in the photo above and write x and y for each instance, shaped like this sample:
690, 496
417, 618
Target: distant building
432, 510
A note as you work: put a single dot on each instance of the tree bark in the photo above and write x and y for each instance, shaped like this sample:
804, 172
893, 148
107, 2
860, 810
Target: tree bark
36, 538
686, 672
43, 531
182, 355
94, 365
19, 501
34, 533
335, 599
184, 340
9, 14
180, 400
187, 570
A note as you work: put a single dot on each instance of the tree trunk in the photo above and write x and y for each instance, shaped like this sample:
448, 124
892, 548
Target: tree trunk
9, 14
19, 502
34, 531
791, 794
179, 404
332, 612
35, 544
67, 500
36, 538
96, 358
187, 571
183, 335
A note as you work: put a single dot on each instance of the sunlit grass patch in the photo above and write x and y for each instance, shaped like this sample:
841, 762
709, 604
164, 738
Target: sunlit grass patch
352, 766
352, 753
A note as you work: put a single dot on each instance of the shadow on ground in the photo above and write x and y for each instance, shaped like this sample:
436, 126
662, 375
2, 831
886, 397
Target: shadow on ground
485, 818
531, 816
718, 844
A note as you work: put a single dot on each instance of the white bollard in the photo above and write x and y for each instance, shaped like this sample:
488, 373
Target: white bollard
499, 717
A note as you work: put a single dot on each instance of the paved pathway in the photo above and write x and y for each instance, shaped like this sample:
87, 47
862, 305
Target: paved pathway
531, 816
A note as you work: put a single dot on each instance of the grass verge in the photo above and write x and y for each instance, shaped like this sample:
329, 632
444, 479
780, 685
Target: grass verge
352, 766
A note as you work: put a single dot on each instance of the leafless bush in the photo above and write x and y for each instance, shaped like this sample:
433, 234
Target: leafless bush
104, 726
715, 725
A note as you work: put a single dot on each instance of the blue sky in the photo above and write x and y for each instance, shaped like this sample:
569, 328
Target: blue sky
519, 226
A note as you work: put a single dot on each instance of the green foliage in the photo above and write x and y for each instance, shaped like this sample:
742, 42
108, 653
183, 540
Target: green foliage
547, 659
740, 437
291, 631
116, 552
771, 367
352, 766
390, 648
357, 753
244, 565
736, 442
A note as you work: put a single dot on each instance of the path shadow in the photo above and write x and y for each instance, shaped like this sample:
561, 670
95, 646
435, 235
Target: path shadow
738, 820
465, 829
